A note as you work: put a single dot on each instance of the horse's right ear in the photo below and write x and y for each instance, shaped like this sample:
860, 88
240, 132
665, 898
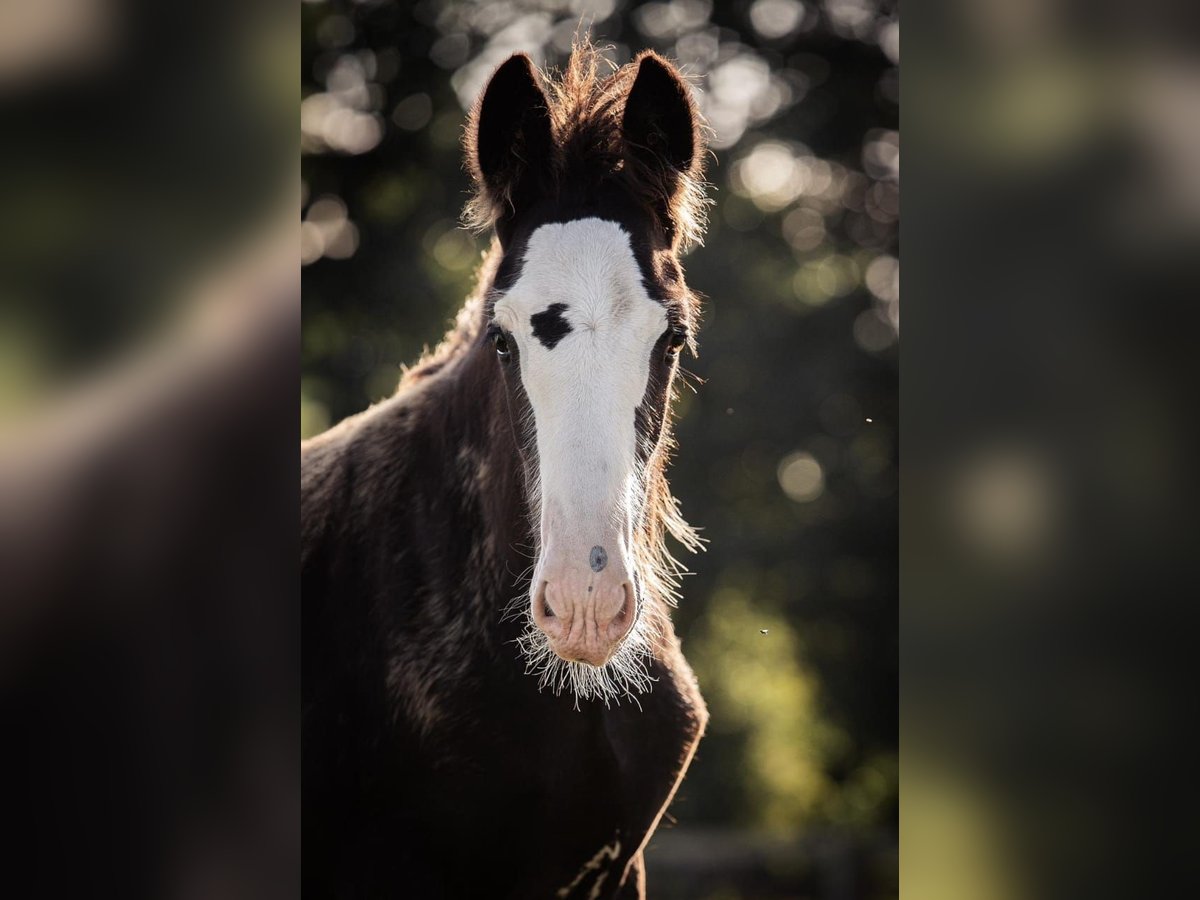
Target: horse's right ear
508, 136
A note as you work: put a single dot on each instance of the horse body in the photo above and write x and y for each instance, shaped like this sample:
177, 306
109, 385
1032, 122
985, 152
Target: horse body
434, 766
432, 763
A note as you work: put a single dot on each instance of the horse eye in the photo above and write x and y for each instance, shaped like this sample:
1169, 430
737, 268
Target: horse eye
676, 341
500, 342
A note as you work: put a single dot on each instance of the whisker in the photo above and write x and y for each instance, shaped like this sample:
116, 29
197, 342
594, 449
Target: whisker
623, 677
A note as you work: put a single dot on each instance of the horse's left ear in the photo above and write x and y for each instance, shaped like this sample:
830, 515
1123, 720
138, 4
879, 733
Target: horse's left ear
660, 125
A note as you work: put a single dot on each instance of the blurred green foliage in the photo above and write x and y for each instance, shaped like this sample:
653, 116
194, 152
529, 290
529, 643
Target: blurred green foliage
788, 454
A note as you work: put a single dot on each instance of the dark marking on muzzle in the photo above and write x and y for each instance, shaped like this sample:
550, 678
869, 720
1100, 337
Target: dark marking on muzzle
549, 326
597, 559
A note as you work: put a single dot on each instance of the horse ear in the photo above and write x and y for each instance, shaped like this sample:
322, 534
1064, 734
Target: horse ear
660, 125
509, 131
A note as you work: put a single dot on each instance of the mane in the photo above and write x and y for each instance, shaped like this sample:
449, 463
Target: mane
586, 109
463, 331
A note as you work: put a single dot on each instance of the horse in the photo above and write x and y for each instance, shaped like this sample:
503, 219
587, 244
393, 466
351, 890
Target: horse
495, 703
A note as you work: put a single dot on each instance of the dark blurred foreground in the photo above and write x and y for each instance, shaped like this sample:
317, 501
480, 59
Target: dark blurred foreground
149, 633
1048, 526
149, 328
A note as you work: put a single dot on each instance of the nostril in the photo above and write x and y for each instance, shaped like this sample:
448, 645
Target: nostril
622, 622
541, 604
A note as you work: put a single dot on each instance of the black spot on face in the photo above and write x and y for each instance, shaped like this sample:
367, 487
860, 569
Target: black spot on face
549, 326
598, 559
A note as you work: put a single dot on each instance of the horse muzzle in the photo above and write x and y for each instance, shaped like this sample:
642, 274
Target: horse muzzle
584, 606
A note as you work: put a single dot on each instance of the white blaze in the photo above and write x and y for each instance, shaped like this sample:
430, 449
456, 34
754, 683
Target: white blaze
584, 391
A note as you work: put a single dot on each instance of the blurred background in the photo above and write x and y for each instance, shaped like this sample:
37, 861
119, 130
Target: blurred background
788, 456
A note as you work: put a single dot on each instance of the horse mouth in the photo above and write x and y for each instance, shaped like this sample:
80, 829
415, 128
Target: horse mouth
583, 627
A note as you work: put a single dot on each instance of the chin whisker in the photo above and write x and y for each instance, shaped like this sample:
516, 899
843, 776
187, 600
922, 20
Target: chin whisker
623, 677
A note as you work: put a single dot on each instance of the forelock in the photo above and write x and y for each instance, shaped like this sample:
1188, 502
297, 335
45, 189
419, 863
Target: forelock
586, 106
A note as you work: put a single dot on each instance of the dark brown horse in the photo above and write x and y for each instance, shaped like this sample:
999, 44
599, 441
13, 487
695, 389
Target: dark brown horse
495, 702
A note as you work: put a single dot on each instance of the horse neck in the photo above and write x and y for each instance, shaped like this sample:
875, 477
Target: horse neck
468, 407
